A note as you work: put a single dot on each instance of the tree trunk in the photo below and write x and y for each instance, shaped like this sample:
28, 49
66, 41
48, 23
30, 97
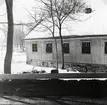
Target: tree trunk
61, 46
9, 50
56, 53
53, 33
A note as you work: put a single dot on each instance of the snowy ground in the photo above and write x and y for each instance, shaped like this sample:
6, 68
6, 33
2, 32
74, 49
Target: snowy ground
18, 62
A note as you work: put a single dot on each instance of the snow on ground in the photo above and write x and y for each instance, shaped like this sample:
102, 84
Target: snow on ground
19, 65
18, 62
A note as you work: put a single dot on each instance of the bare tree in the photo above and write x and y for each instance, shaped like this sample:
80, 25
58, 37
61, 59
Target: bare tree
36, 20
51, 28
61, 10
19, 35
9, 50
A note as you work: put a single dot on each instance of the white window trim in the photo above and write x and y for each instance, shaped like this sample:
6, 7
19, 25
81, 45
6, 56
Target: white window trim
37, 47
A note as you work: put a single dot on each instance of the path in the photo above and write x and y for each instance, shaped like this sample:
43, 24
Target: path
15, 100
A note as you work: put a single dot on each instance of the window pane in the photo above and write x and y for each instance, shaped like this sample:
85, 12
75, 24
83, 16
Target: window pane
34, 47
49, 47
105, 47
66, 47
86, 49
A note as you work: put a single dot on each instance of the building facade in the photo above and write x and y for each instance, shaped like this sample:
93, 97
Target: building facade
89, 49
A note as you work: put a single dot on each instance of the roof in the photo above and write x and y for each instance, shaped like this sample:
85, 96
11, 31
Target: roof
67, 37
66, 33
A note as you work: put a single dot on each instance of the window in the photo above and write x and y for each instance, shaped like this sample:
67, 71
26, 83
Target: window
49, 47
105, 47
86, 49
34, 47
66, 47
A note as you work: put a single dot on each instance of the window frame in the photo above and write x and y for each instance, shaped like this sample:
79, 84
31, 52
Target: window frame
34, 51
86, 52
46, 48
68, 47
105, 48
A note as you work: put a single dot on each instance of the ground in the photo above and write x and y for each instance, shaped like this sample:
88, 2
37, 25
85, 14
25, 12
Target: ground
19, 65
53, 92
49, 92
15, 100
18, 62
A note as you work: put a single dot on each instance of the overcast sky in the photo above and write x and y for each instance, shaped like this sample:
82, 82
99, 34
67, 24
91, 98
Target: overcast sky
96, 24
105, 1
20, 14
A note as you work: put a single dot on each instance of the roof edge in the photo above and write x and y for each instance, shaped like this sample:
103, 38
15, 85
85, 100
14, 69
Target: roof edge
72, 36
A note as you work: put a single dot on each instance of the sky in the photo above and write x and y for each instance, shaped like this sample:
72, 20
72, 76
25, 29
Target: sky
96, 24
105, 1
20, 6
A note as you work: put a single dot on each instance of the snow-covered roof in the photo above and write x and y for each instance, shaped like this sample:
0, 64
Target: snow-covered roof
43, 35
66, 32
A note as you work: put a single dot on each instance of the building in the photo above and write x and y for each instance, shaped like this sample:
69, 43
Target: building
89, 49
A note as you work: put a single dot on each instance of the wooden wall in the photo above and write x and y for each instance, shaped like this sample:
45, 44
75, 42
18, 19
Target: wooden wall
97, 55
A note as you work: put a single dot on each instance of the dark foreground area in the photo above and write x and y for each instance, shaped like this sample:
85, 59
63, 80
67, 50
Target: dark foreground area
54, 92
32, 88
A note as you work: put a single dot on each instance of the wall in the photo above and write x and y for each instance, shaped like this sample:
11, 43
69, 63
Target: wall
97, 55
